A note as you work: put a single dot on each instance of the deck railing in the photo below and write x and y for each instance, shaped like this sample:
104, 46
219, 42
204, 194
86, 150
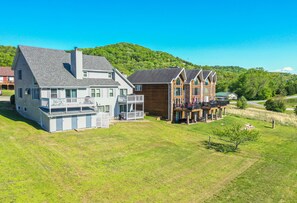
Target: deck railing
132, 115
190, 106
131, 99
60, 103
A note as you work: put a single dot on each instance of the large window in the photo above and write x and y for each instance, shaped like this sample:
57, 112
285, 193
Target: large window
123, 92
10, 79
54, 93
177, 91
20, 92
206, 81
1, 78
110, 92
20, 76
196, 91
71, 95
138, 87
35, 93
196, 81
178, 81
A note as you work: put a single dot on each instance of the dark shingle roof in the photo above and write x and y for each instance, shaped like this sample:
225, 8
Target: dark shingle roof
6, 71
165, 75
206, 73
49, 68
191, 74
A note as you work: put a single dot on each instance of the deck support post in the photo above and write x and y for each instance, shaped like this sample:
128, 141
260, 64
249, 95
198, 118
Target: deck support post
188, 118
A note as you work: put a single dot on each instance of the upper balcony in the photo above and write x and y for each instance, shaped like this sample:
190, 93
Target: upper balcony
187, 106
65, 104
131, 99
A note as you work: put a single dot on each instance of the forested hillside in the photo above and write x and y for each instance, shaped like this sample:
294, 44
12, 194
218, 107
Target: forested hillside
128, 58
6, 55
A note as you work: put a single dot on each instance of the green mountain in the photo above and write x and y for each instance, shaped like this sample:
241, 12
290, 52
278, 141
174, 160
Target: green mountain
129, 58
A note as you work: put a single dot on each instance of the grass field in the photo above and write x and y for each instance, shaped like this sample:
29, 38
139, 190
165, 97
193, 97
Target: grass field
143, 162
7, 92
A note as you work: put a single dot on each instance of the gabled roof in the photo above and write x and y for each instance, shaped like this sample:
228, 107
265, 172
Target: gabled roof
206, 73
156, 76
49, 67
192, 74
6, 71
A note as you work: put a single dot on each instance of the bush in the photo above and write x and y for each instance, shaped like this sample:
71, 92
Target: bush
295, 110
12, 99
242, 103
277, 105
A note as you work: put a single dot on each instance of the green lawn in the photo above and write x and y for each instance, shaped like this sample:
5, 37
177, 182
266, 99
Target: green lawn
7, 92
143, 162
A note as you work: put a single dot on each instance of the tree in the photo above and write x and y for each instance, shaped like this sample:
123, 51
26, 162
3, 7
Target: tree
295, 110
236, 135
277, 105
242, 103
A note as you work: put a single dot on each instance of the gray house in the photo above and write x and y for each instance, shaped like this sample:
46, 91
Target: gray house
63, 91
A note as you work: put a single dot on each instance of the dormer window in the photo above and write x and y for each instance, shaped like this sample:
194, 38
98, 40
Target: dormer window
196, 81
177, 81
206, 81
85, 74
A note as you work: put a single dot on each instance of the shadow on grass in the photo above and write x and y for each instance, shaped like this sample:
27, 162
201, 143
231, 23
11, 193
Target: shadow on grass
219, 147
8, 111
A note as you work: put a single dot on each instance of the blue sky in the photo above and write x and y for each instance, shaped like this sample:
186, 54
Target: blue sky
246, 33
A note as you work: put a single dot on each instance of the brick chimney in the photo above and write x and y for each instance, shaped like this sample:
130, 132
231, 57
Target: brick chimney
77, 63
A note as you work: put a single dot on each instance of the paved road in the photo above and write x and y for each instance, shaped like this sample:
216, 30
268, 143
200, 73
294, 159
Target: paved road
4, 98
255, 102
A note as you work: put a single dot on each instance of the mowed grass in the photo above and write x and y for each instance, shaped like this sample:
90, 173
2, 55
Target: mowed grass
143, 162
7, 92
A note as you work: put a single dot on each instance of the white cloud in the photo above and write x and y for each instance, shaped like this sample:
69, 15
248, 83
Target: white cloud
287, 69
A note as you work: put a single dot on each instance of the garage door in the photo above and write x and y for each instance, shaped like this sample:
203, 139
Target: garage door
88, 121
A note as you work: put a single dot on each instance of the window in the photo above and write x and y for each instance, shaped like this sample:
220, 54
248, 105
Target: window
123, 108
177, 81
1, 78
54, 93
177, 91
110, 92
93, 93
85, 74
71, 95
196, 91
138, 87
98, 93
35, 93
109, 75
20, 74
100, 108
196, 81
123, 92
11, 79
206, 81
107, 108
206, 92
20, 92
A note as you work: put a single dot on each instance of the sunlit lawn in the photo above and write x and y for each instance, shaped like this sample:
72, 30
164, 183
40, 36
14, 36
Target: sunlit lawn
143, 162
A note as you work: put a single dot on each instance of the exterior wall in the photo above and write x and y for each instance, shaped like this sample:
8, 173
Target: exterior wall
200, 91
123, 83
156, 99
181, 98
26, 106
93, 74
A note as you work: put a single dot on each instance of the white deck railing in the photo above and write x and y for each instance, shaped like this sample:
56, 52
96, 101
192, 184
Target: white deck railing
56, 103
132, 115
131, 99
